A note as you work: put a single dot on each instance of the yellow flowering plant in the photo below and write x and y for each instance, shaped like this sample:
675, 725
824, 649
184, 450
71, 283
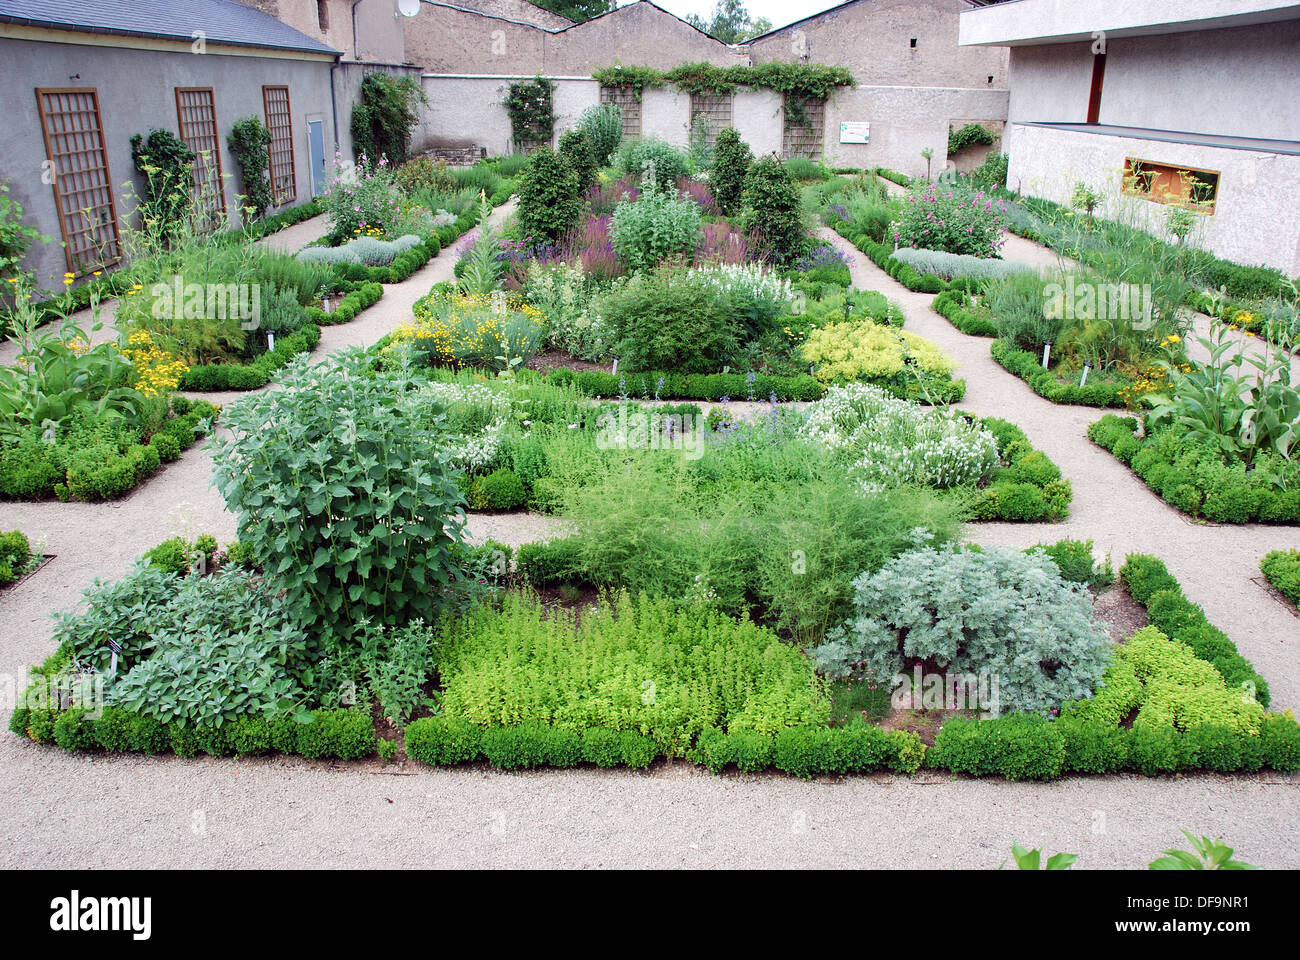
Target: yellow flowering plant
866, 350
492, 332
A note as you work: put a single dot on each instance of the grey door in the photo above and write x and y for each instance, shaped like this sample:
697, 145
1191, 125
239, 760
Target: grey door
316, 143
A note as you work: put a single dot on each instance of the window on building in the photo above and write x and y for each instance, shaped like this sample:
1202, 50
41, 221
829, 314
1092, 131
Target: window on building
83, 186
323, 15
805, 127
626, 99
914, 43
284, 185
1185, 187
712, 113
196, 115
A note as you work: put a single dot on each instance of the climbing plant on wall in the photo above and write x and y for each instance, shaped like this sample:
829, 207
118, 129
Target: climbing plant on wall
531, 106
384, 117
797, 81
248, 141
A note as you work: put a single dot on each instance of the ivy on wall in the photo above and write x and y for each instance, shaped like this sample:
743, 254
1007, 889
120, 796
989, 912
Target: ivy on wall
531, 106
969, 136
797, 81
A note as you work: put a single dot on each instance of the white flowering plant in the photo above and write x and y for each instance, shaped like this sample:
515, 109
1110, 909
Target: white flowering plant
887, 442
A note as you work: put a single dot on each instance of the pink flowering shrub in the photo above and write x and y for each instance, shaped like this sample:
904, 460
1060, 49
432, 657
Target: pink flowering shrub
951, 218
359, 199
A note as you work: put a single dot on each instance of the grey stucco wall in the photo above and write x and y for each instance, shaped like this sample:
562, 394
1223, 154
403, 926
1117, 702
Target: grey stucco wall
904, 121
136, 94
1256, 218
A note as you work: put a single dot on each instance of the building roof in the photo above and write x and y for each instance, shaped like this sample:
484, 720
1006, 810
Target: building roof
221, 22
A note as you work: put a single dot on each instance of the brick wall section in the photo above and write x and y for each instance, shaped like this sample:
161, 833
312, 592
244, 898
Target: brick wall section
873, 39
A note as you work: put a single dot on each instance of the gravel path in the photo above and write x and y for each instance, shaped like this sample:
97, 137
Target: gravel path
59, 810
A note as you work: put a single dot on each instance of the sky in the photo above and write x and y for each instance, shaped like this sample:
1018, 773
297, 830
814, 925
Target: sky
780, 12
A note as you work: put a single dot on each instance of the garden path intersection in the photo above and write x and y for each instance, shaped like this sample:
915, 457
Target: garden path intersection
83, 810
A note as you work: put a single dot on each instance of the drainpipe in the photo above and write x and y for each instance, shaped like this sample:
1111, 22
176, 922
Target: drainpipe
334, 105
356, 43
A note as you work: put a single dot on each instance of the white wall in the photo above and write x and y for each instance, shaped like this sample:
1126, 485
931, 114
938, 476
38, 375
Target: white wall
1257, 216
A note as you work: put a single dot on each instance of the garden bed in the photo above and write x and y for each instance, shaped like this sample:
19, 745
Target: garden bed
1196, 479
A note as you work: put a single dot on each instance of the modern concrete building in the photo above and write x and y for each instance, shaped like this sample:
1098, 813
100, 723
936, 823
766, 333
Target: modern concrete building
1176, 103
82, 77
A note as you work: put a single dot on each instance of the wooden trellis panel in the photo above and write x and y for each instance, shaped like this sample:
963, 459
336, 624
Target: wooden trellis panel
83, 186
716, 111
806, 136
284, 184
196, 114
626, 100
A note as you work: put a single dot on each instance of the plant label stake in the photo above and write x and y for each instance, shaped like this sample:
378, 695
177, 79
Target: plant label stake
1087, 368
615, 370
325, 304
1047, 353
115, 648
270, 341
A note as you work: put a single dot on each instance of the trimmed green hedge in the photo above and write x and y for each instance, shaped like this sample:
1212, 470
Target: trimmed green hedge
400, 269
1030, 489
902, 179
252, 376
361, 296
799, 751
1152, 585
690, 386
951, 305
1022, 747
1282, 569
1193, 478
85, 470
1028, 368
339, 734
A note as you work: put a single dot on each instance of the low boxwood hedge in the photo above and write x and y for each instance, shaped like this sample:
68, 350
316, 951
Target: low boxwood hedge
360, 295
1152, 585
1029, 488
951, 305
338, 734
691, 386
799, 751
1194, 479
1029, 368
251, 376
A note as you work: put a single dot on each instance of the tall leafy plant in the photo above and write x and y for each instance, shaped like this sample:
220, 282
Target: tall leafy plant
774, 209
344, 495
732, 159
549, 204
